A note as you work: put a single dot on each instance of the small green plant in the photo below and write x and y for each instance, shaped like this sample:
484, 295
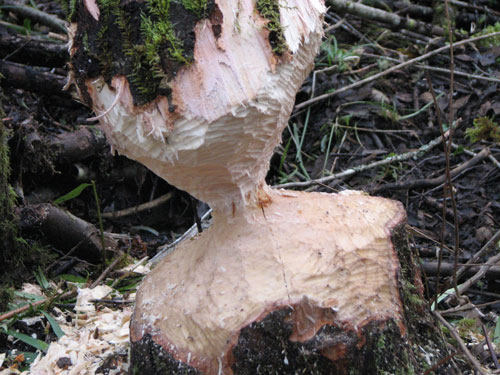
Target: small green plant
485, 129
492, 41
333, 54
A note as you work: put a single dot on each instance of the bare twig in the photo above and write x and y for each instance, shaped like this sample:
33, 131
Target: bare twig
492, 241
472, 6
375, 14
106, 271
142, 207
473, 361
390, 70
490, 347
451, 115
437, 69
408, 155
468, 152
427, 182
191, 232
462, 288
22, 309
36, 15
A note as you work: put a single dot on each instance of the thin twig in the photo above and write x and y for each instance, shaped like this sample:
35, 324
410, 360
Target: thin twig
492, 241
408, 155
106, 271
390, 70
37, 16
134, 210
22, 309
473, 361
468, 152
472, 6
437, 69
427, 182
462, 288
490, 347
443, 214
451, 116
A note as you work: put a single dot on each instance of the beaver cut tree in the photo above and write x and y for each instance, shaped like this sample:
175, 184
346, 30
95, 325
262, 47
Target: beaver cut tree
284, 282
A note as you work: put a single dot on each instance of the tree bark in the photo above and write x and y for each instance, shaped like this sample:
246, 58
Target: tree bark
332, 288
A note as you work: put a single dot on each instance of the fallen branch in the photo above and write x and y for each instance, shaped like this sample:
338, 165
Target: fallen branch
135, 210
65, 230
35, 15
392, 19
390, 70
431, 182
28, 78
447, 269
408, 155
40, 52
22, 309
475, 258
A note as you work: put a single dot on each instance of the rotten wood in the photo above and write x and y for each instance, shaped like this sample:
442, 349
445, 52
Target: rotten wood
64, 230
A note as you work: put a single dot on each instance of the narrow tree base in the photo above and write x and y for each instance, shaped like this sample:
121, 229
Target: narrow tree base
300, 284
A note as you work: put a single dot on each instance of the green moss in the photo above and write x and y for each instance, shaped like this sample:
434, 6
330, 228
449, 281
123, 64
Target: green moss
485, 129
270, 10
147, 41
492, 41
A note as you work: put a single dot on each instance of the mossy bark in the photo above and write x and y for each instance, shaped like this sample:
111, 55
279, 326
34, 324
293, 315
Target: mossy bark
8, 228
146, 41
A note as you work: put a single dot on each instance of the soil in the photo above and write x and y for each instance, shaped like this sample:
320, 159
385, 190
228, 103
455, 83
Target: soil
389, 116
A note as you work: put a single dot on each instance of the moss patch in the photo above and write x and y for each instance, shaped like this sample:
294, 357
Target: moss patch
485, 129
270, 10
147, 41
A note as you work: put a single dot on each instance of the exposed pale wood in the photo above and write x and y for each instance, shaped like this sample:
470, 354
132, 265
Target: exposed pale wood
329, 254
232, 105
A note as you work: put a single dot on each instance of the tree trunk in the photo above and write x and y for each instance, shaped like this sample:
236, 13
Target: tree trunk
283, 282
332, 288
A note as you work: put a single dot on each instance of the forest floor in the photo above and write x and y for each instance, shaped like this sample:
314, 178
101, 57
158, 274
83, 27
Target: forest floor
370, 117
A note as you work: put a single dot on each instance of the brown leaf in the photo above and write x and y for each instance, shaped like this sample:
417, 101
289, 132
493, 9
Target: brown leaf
459, 103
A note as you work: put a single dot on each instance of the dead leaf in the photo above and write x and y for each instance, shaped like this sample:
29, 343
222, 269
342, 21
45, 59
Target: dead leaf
460, 102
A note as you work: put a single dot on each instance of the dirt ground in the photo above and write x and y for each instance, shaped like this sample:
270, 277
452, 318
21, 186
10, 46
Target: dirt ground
381, 137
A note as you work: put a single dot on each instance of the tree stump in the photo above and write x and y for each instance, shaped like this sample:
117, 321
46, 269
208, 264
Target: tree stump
328, 286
